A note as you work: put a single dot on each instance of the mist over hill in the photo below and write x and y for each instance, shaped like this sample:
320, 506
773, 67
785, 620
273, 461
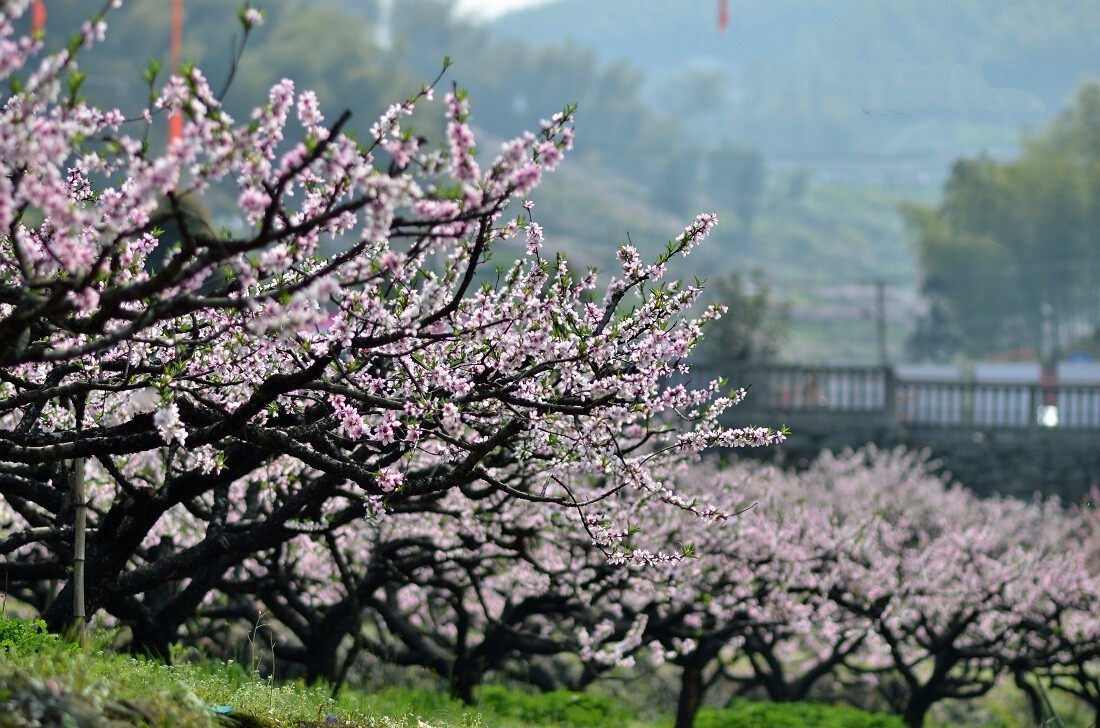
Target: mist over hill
822, 81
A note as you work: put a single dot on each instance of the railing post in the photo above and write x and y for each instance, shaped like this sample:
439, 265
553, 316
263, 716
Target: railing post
890, 394
1034, 397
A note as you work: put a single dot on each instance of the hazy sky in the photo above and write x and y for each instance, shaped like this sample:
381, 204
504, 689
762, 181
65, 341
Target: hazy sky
492, 8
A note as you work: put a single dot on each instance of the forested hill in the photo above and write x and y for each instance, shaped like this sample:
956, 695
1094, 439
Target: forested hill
659, 36
842, 76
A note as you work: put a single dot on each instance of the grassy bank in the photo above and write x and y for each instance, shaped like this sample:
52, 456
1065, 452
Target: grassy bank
47, 681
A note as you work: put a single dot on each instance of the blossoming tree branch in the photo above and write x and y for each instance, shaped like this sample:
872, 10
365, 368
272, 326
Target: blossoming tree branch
266, 389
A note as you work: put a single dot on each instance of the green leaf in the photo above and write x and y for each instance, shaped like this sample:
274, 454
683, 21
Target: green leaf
149, 75
75, 81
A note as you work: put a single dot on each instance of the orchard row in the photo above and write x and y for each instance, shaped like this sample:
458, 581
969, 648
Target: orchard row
405, 448
863, 578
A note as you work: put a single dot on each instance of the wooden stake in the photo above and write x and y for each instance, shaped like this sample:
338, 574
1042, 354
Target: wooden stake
76, 487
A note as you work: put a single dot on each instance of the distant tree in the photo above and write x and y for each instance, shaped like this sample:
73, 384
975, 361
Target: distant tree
1010, 254
693, 91
752, 329
681, 182
935, 337
510, 80
735, 177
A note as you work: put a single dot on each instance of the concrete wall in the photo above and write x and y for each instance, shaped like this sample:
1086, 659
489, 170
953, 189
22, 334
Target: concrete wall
1020, 462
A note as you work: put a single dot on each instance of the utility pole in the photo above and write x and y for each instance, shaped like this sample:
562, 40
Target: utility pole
880, 326
880, 318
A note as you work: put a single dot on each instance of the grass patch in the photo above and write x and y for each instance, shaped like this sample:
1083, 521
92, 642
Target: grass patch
558, 708
48, 681
497, 706
411, 705
746, 714
45, 680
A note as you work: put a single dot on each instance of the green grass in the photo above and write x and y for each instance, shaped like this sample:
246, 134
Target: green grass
793, 715
434, 707
45, 680
558, 708
498, 707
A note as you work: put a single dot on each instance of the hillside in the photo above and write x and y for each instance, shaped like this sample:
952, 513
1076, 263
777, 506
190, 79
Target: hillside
813, 80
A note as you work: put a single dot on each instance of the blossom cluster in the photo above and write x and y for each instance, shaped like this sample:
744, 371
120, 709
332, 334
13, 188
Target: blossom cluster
855, 576
178, 366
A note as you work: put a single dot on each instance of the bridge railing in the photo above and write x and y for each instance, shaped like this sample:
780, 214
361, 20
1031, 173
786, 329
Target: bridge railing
842, 389
963, 403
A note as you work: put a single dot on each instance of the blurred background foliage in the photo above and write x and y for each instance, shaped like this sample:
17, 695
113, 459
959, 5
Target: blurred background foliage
1010, 253
845, 144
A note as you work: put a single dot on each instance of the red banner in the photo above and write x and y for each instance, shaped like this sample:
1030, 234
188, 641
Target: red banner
38, 16
175, 121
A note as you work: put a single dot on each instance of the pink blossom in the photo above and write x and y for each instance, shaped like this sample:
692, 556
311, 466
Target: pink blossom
168, 424
252, 17
389, 480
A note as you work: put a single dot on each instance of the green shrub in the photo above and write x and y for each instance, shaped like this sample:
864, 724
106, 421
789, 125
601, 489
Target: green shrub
561, 707
752, 714
24, 636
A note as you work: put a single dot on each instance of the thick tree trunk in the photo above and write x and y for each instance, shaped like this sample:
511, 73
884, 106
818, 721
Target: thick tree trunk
345, 666
105, 559
322, 658
153, 639
465, 676
691, 696
915, 711
1034, 699
546, 679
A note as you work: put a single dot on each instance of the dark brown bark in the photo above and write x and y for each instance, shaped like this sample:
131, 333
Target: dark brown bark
465, 676
691, 696
1034, 699
915, 710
